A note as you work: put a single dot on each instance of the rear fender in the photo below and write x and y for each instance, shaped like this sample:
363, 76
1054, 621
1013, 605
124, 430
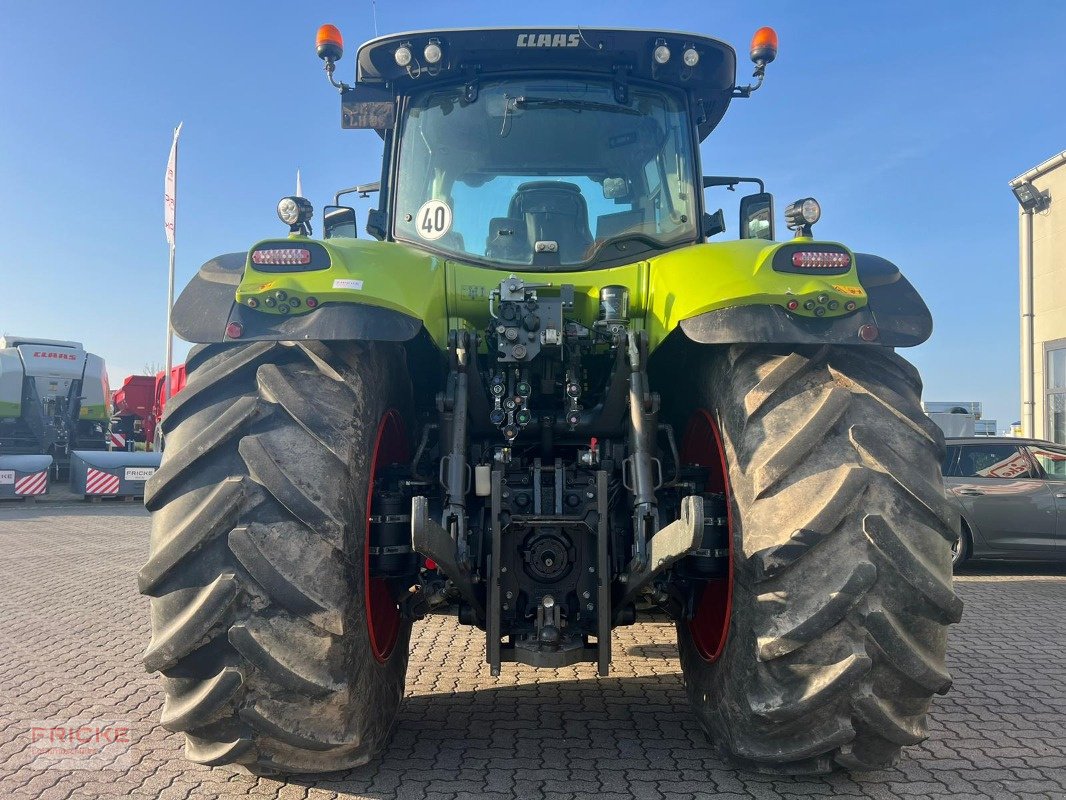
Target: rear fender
388, 311
897, 311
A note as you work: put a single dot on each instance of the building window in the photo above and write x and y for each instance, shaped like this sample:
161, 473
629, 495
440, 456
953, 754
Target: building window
1056, 391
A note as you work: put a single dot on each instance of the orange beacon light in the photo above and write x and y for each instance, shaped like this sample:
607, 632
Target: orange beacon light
329, 44
764, 46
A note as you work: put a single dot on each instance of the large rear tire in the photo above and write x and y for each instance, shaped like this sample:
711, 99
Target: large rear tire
841, 546
257, 573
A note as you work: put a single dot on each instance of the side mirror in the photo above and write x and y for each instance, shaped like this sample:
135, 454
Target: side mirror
338, 222
757, 216
713, 224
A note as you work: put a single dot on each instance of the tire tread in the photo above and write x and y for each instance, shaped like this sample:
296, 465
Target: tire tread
842, 588
255, 565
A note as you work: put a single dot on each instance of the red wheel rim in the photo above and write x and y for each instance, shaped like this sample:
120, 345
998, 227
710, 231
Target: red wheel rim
382, 614
709, 626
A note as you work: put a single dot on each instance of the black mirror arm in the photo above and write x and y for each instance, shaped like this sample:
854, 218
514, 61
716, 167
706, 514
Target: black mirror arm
337, 196
363, 189
729, 182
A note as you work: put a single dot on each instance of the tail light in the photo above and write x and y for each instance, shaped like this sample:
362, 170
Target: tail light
805, 259
282, 256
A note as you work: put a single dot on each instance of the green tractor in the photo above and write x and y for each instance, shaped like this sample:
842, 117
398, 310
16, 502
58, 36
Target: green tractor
538, 398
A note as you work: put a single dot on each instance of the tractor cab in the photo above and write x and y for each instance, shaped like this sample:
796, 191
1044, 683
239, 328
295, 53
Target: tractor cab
542, 149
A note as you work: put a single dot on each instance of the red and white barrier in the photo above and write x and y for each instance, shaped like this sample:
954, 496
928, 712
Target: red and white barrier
97, 474
117, 441
24, 477
98, 482
31, 485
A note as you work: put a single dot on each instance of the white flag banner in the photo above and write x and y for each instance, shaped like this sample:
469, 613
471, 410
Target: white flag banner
170, 191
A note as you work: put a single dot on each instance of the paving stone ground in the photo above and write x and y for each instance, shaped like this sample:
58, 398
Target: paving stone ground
72, 629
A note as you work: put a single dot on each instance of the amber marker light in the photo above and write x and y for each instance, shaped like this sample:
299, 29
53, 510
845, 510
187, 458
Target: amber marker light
764, 45
329, 44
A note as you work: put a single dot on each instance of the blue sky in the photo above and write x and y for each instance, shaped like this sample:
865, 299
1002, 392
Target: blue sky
905, 119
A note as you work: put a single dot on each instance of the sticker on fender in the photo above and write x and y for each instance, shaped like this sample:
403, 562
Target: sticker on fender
434, 219
7, 476
348, 283
854, 291
138, 473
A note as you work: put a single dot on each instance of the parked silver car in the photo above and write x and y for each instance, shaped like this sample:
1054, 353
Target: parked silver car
1012, 496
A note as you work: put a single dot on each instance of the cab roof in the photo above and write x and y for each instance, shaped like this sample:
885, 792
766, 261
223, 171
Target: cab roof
15, 341
619, 53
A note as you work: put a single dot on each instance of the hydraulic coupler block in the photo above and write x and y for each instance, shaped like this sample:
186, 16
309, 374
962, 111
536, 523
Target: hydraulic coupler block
523, 323
510, 398
573, 398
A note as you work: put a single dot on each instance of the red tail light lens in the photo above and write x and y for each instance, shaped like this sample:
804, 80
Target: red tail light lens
282, 256
805, 259
868, 332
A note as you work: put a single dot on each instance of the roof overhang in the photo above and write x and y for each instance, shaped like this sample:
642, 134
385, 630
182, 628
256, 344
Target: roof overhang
1052, 163
616, 53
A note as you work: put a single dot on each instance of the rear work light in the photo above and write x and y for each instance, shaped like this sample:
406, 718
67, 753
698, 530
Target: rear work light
285, 256
808, 260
